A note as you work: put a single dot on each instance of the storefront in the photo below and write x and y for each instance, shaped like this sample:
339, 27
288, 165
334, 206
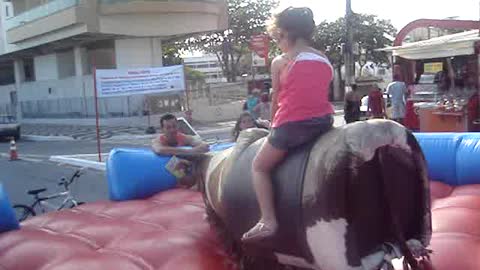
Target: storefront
443, 78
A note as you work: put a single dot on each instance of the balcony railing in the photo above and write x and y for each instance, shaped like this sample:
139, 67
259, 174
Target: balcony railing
39, 12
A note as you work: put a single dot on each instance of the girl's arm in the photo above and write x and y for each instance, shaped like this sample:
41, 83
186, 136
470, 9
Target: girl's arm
277, 65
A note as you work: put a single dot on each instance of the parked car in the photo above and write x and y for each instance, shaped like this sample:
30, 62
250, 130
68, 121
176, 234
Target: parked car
9, 127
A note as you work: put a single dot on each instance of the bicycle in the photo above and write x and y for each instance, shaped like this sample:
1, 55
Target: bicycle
23, 212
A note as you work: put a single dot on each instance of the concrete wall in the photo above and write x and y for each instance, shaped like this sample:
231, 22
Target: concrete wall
44, 25
161, 18
203, 112
72, 97
138, 52
19, 6
45, 67
84, 65
72, 102
71, 87
5, 93
152, 24
4, 46
104, 58
123, 18
2, 25
66, 64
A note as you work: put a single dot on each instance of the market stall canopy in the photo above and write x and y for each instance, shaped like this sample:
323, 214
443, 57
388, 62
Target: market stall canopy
440, 47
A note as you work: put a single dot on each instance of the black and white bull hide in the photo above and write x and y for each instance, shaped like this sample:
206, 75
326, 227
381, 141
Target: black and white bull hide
355, 198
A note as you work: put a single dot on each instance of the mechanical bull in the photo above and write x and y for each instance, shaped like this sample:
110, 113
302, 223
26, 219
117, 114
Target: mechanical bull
354, 199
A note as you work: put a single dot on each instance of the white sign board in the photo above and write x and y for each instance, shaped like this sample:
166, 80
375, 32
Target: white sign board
118, 82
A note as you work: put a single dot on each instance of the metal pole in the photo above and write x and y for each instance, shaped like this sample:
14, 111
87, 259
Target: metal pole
96, 112
348, 53
187, 91
188, 113
253, 72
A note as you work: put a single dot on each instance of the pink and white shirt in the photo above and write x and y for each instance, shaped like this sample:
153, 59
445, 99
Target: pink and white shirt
304, 87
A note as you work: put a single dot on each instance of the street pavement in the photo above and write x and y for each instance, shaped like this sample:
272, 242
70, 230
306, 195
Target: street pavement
35, 170
89, 132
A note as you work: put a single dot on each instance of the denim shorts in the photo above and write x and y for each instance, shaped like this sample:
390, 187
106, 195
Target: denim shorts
297, 133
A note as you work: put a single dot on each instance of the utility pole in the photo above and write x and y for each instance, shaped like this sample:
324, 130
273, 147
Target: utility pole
348, 52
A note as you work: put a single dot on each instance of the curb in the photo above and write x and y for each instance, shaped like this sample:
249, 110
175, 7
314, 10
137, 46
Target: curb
218, 130
72, 160
38, 138
152, 136
126, 137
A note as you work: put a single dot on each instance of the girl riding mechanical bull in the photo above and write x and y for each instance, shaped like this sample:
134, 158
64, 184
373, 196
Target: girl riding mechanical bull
309, 195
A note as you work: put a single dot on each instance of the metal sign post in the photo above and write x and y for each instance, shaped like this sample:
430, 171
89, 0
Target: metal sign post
97, 120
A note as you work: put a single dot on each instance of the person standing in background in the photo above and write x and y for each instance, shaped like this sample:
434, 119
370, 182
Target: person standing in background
376, 104
352, 105
263, 109
252, 102
398, 91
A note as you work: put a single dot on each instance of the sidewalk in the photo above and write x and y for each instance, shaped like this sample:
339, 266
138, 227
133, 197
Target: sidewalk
83, 161
39, 132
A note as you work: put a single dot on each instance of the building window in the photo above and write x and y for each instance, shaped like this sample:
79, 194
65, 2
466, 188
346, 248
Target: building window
66, 64
7, 12
6, 73
29, 70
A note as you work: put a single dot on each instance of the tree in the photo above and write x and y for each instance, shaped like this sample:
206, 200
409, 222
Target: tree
368, 32
171, 53
194, 75
329, 37
247, 18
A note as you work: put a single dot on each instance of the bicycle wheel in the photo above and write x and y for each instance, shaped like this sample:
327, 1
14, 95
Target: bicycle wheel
23, 212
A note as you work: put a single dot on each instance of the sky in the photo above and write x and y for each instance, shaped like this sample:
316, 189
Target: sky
400, 12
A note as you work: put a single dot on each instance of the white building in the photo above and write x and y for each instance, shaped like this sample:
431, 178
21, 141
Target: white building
207, 64
48, 48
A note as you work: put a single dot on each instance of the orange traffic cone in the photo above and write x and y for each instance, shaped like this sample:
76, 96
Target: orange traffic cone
13, 150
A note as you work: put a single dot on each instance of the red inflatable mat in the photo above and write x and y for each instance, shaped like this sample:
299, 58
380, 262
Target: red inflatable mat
166, 231
169, 231
456, 227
